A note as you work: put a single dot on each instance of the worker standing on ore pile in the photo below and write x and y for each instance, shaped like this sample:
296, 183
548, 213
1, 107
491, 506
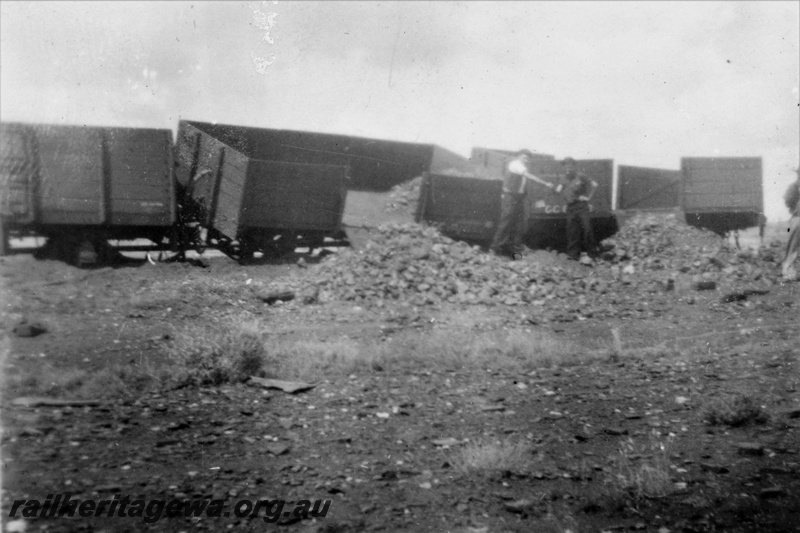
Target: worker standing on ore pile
511, 228
578, 189
792, 199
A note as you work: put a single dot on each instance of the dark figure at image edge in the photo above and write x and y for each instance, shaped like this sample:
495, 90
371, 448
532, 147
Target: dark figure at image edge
792, 200
512, 225
577, 189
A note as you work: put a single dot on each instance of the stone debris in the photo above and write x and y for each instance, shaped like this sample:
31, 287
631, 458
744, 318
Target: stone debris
740, 296
750, 448
417, 265
276, 296
773, 492
705, 286
290, 387
446, 442
16, 526
35, 401
24, 328
404, 197
520, 506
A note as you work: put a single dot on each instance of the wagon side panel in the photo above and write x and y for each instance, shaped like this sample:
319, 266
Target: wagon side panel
463, 208
71, 188
140, 188
646, 188
722, 184
293, 196
232, 193
18, 169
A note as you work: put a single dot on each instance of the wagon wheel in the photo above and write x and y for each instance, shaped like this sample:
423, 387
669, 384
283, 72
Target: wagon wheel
245, 251
4, 247
279, 248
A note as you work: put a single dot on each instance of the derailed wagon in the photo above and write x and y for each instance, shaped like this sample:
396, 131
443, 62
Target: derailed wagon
80, 186
248, 201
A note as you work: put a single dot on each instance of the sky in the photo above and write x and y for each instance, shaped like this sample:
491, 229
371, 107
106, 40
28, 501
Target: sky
641, 82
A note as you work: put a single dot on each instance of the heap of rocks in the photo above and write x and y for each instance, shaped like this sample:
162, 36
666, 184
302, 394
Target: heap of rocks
657, 241
405, 196
419, 264
664, 242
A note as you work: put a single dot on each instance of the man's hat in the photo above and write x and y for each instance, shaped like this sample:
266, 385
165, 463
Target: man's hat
525, 151
568, 160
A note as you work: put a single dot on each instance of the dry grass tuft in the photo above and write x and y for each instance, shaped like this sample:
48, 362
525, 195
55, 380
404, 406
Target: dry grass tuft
458, 349
219, 353
76, 383
494, 456
314, 359
640, 471
735, 411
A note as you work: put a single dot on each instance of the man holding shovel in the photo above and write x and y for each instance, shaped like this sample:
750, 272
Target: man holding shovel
511, 228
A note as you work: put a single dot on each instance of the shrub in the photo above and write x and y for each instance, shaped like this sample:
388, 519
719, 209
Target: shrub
735, 411
494, 456
217, 354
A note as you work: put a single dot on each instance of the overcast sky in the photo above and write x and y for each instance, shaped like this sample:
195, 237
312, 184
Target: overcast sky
644, 83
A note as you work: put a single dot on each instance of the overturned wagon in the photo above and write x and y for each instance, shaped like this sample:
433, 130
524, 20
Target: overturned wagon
80, 186
250, 202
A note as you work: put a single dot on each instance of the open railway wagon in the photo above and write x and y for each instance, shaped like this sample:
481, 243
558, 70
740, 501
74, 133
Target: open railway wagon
722, 194
281, 210
369, 209
645, 189
469, 208
252, 197
81, 186
547, 219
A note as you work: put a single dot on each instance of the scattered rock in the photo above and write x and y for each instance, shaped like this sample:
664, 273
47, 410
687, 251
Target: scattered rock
741, 296
793, 413
16, 526
34, 401
23, 328
772, 492
705, 286
716, 469
519, 506
200, 261
291, 387
277, 449
449, 441
276, 296
750, 448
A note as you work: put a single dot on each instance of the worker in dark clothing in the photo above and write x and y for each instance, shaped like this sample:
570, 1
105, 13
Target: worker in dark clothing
792, 199
511, 228
577, 189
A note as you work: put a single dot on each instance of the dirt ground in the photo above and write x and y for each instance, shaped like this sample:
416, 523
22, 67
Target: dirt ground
627, 422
